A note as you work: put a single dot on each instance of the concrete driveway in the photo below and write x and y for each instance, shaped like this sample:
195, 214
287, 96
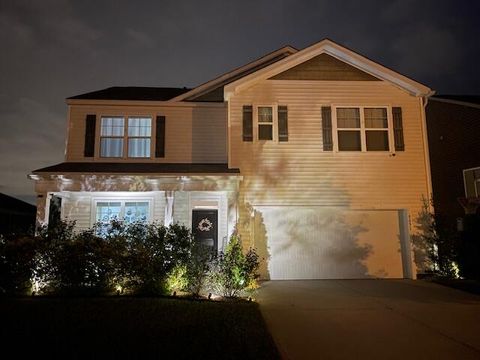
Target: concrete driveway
371, 319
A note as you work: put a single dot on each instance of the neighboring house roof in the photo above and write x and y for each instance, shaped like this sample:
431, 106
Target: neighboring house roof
467, 100
9, 204
137, 168
339, 52
133, 93
213, 90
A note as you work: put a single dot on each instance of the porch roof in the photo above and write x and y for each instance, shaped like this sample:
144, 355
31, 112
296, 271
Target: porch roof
136, 168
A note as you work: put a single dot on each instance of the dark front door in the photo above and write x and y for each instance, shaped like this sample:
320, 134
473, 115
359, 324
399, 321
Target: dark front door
204, 227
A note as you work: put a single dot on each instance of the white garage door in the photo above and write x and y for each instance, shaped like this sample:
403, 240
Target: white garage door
329, 243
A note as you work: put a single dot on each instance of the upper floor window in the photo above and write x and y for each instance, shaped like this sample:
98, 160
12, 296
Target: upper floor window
114, 139
265, 123
362, 129
111, 136
349, 130
139, 135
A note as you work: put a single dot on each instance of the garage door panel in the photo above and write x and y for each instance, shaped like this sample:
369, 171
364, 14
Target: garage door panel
327, 243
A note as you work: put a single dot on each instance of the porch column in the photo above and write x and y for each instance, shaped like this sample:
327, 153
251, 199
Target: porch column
169, 197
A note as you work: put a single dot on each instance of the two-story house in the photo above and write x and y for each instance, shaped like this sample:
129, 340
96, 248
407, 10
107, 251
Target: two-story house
317, 156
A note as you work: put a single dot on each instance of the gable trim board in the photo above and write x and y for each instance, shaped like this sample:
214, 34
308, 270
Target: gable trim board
339, 52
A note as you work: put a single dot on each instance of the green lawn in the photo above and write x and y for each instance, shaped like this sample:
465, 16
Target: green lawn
125, 327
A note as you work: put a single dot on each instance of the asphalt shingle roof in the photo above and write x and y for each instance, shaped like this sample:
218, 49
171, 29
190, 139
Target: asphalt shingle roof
137, 168
133, 93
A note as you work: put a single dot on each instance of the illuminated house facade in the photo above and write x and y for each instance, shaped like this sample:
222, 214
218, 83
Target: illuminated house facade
317, 156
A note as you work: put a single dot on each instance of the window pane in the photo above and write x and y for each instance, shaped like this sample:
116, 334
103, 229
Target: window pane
376, 118
136, 211
348, 118
265, 132
108, 211
265, 114
139, 147
139, 126
111, 147
349, 140
112, 126
377, 140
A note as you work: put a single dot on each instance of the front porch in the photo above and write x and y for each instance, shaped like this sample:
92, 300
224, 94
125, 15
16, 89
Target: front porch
186, 200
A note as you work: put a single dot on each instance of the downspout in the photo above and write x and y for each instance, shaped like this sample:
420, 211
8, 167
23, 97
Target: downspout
424, 102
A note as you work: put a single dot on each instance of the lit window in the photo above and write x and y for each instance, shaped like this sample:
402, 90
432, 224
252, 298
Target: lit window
139, 133
126, 211
362, 129
265, 123
376, 129
349, 132
137, 139
108, 211
111, 137
136, 212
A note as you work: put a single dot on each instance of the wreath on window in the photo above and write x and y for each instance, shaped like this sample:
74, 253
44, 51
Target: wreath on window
204, 225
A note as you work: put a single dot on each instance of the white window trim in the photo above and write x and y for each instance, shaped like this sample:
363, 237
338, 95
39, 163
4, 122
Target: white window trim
122, 200
274, 107
362, 129
98, 141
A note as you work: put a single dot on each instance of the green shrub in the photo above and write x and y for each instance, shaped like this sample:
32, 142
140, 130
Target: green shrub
433, 245
73, 263
233, 272
147, 253
177, 279
17, 255
148, 259
197, 267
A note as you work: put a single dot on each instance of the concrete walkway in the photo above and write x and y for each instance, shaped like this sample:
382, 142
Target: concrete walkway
371, 319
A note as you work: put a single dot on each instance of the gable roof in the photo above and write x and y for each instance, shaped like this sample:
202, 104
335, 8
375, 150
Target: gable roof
133, 93
219, 82
339, 52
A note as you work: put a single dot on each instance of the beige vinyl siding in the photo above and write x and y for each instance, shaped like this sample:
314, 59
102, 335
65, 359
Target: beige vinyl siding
194, 134
299, 172
181, 208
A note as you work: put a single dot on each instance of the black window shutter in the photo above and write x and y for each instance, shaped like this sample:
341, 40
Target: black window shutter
398, 129
160, 137
327, 128
282, 123
247, 123
90, 124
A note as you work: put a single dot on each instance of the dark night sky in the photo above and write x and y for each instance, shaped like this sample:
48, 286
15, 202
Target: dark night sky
52, 49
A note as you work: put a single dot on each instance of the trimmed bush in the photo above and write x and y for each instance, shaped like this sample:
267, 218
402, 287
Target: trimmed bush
145, 259
197, 268
147, 253
73, 263
233, 272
